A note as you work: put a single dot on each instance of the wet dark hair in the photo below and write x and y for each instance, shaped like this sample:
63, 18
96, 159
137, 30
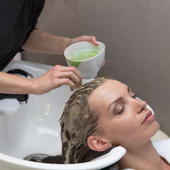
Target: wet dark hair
78, 122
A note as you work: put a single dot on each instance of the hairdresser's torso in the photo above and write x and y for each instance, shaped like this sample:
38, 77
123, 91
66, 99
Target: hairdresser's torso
17, 19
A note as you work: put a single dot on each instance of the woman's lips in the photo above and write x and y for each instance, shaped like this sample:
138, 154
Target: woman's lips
149, 117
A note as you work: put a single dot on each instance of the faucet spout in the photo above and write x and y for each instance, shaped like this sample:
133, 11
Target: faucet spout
22, 98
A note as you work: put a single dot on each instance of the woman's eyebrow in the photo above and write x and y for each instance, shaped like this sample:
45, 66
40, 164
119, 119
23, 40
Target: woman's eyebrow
119, 99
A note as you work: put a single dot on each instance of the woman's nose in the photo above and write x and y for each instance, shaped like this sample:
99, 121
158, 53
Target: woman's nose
141, 104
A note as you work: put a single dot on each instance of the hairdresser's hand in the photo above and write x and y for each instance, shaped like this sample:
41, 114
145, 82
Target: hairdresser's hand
84, 38
57, 76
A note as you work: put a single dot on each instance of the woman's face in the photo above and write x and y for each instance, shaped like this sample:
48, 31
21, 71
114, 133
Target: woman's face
124, 120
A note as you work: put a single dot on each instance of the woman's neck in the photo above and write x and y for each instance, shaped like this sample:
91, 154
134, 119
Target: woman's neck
142, 157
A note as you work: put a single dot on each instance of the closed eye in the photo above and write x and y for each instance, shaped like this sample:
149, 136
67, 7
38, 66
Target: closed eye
134, 96
121, 111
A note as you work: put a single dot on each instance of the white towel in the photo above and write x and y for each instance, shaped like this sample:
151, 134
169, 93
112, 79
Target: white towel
163, 148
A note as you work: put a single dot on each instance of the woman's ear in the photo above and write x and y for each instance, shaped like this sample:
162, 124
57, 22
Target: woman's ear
98, 144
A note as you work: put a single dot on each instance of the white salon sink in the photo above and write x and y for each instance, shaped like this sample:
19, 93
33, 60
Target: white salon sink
30, 128
23, 126
34, 127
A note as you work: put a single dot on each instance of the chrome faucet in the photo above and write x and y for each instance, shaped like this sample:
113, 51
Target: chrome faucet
22, 98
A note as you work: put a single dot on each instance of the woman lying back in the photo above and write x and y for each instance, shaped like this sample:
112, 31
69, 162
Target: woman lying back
105, 113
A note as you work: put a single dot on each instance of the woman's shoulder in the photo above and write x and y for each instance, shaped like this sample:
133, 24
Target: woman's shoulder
162, 147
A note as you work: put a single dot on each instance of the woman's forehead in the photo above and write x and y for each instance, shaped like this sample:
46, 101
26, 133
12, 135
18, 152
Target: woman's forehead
106, 93
110, 86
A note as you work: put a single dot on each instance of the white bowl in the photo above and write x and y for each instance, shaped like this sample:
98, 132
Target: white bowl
88, 68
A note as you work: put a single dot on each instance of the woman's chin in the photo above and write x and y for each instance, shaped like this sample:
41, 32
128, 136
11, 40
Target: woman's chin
155, 128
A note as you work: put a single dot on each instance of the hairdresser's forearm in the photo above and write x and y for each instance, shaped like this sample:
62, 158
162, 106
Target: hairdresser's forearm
42, 42
12, 84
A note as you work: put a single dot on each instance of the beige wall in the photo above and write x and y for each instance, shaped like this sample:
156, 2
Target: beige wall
137, 38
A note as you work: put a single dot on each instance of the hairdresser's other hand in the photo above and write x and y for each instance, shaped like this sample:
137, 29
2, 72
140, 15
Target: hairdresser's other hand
84, 38
56, 77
